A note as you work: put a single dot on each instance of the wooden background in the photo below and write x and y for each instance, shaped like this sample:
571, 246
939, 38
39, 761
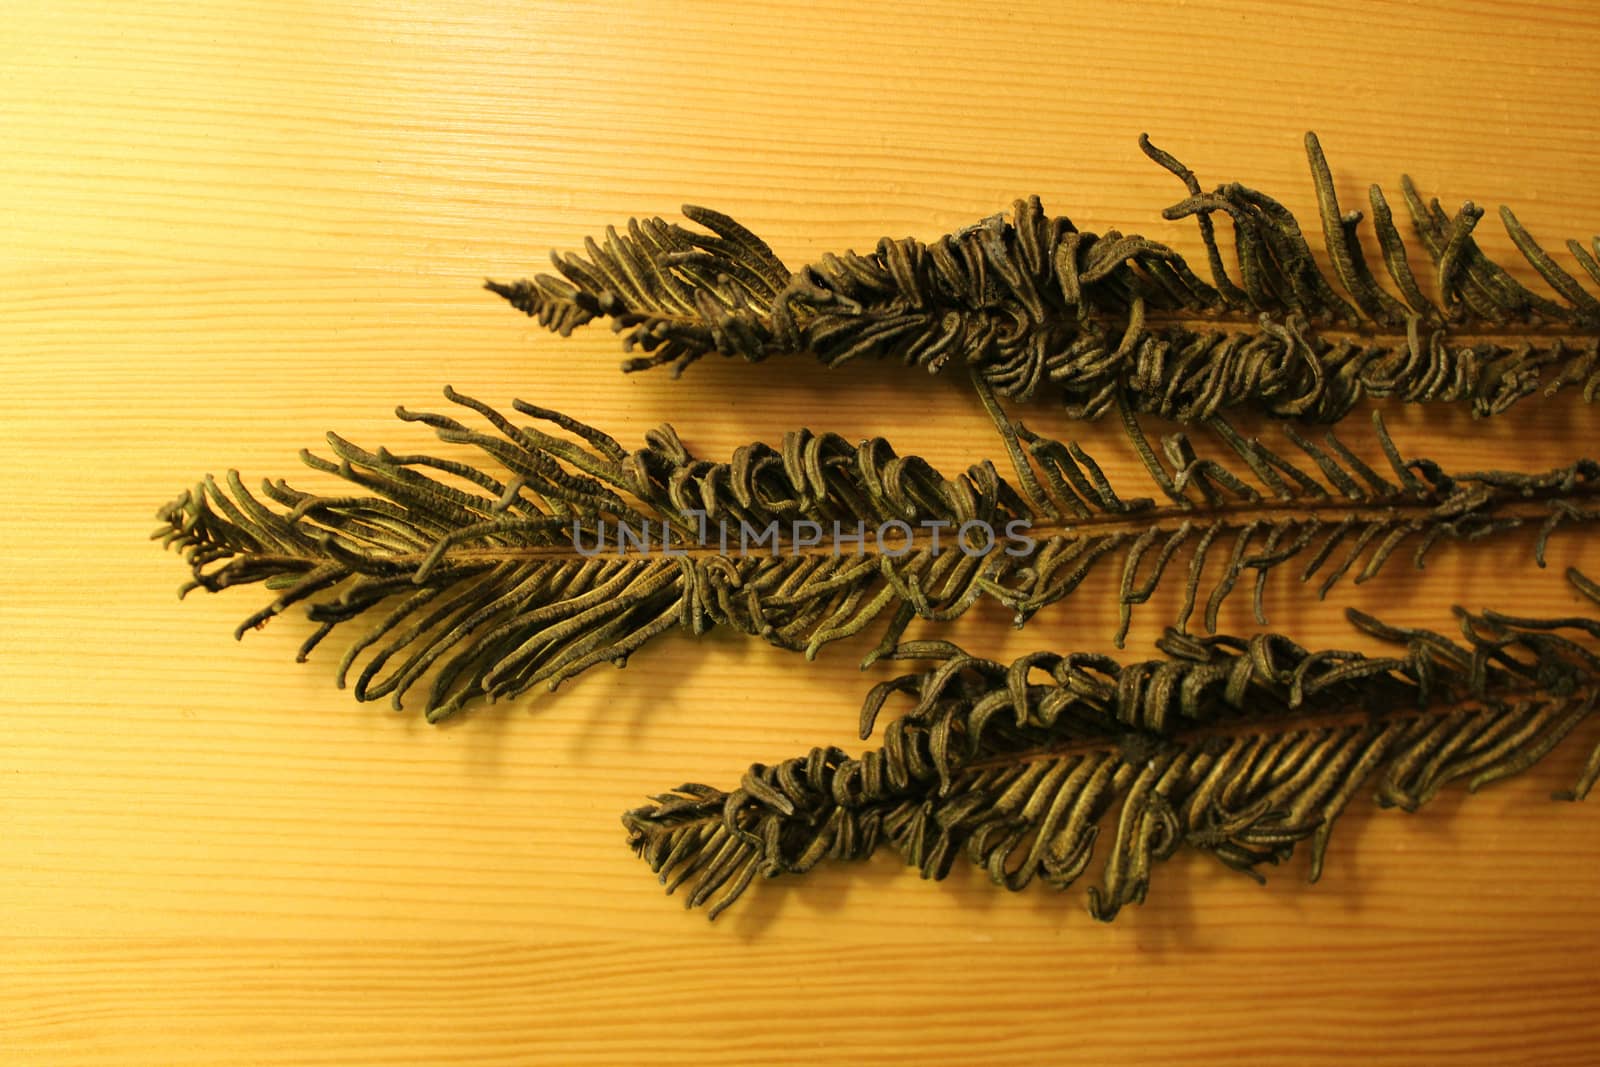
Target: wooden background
228, 230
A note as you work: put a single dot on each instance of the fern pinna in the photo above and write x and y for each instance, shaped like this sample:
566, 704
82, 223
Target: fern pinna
1035, 305
1237, 748
485, 581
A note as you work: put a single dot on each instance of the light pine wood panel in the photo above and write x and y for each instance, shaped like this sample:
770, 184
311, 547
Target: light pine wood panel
426, 1002
230, 230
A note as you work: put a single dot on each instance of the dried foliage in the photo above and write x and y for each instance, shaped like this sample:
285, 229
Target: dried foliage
494, 578
1237, 748
490, 581
482, 579
1035, 305
486, 580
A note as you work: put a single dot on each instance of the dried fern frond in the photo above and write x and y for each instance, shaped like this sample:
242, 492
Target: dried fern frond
1330, 509
1238, 748
486, 581
495, 579
1031, 302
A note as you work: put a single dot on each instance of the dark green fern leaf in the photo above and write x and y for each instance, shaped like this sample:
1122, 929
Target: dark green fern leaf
1033, 304
1238, 748
485, 582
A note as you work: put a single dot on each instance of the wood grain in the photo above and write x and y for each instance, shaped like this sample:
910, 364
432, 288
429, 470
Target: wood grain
230, 230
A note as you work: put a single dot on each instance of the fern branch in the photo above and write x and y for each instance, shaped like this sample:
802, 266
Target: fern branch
1238, 748
492, 583
487, 581
1032, 303
1342, 517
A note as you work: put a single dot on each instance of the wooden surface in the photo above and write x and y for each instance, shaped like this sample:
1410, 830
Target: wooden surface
228, 230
